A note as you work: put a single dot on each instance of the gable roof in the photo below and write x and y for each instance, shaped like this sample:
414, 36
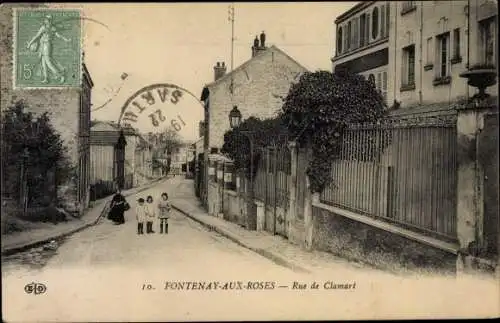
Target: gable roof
260, 54
106, 133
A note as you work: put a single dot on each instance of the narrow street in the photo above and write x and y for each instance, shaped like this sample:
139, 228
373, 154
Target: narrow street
109, 273
103, 269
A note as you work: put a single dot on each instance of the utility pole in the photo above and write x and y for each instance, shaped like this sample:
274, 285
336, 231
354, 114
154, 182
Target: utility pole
231, 19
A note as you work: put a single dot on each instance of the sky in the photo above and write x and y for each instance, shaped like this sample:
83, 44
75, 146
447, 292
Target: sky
179, 43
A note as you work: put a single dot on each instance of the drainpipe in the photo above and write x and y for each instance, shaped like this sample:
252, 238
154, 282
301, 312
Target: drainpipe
421, 50
395, 13
467, 66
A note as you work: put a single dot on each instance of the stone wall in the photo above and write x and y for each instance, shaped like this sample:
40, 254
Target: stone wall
360, 242
255, 89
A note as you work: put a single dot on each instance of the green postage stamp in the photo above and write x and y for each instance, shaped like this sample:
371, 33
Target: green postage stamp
47, 48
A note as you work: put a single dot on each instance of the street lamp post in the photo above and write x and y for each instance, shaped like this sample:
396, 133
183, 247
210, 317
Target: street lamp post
235, 118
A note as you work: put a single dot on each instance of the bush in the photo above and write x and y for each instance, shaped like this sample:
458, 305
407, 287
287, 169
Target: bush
262, 133
318, 110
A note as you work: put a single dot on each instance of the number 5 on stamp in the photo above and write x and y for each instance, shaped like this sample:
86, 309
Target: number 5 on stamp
47, 46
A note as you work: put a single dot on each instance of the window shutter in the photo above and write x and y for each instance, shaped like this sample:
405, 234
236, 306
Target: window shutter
367, 28
382, 21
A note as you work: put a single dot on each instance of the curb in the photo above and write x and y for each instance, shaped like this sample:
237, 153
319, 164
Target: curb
279, 260
13, 250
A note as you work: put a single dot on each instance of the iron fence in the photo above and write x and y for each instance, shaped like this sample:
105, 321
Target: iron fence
403, 171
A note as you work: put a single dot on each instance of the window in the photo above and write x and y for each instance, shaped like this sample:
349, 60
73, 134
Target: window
355, 36
387, 20
362, 30
408, 76
487, 33
367, 31
346, 38
339, 40
375, 23
382, 20
429, 55
349, 35
443, 54
456, 45
379, 81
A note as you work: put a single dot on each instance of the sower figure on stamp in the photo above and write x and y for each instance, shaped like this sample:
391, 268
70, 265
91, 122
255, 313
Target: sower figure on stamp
164, 212
45, 37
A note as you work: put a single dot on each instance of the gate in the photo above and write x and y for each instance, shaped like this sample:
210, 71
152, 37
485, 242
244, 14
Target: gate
272, 187
302, 164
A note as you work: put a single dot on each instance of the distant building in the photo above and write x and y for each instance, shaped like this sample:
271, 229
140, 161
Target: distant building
69, 113
180, 158
107, 166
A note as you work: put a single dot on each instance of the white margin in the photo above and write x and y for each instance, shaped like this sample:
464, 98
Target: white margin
14, 46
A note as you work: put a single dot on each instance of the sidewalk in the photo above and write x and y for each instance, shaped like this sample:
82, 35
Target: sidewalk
17, 242
273, 247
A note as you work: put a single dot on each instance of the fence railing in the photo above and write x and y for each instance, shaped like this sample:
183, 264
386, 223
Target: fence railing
400, 171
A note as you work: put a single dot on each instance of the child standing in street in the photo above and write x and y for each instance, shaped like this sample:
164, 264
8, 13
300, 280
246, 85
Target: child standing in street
164, 212
140, 214
150, 214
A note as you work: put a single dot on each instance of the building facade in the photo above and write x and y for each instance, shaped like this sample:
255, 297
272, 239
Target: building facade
69, 111
362, 42
104, 162
432, 42
255, 88
415, 51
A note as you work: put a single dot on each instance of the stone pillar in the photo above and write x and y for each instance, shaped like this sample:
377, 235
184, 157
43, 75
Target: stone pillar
220, 188
308, 218
228, 175
292, 207
261, 215
211, 194
470, 177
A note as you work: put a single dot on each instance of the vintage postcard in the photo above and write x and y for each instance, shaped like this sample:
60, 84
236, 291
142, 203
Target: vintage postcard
249, 161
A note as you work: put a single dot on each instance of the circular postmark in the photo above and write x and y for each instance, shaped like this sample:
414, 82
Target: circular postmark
160, 122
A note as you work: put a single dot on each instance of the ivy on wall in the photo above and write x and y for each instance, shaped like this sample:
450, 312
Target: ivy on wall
318, 111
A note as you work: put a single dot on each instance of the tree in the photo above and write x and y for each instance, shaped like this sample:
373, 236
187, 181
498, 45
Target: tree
166, 142
262, 133
34, 145
318, 109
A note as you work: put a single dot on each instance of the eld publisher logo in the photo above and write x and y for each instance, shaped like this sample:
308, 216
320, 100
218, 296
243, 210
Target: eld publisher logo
35, 288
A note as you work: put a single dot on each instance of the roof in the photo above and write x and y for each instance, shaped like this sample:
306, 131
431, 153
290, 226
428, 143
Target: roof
426, 110
358, 7
101, 125
245, 64
106, 133
86, 74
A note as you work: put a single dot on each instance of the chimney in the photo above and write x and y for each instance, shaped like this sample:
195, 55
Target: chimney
262, 40
259, 45
219, 70
201, 129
